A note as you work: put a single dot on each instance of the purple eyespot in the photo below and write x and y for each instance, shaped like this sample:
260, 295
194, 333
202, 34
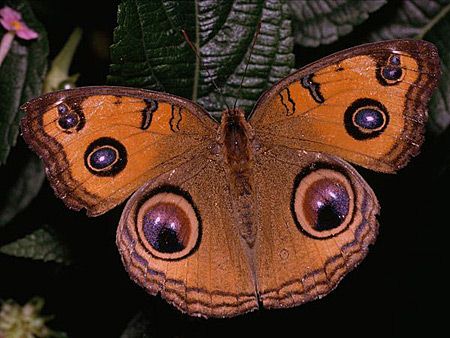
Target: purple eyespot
322, 202
326, 204
395, 60
166, 227
392, 73
62, 108
69, 120
168, 224
368, 118
103, 158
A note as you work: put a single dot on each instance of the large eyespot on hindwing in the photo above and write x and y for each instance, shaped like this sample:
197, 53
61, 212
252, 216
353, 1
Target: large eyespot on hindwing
366, 118
70, 117
168, 224
105, 157
323, 202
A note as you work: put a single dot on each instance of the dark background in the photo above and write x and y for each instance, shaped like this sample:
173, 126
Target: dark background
394, 292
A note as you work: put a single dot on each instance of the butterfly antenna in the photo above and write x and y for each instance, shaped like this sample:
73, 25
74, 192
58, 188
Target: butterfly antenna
239, 93
194, 49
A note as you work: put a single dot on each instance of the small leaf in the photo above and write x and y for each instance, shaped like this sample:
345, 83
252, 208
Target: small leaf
59, 70
21, 186
324, 21
42, 244
21, 76
149, 50
429, 20
139, 327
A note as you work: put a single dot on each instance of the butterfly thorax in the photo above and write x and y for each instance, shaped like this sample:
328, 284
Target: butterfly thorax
236, 141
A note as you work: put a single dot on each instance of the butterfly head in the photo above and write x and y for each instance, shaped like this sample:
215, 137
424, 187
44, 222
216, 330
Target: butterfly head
233, 121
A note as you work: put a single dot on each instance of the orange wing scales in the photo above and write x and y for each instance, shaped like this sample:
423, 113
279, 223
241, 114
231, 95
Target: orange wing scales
154, 133
397, 75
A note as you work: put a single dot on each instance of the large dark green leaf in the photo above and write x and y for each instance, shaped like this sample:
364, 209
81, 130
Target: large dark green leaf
408, 19
42, 244
149, 50
226, 48
22, 185
324, 21
158, 57
21, 77
440, 102
429, 20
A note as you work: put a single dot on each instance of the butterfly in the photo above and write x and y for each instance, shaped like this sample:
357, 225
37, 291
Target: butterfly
263, 209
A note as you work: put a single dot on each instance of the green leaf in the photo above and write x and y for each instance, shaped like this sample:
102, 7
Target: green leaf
408, 19
21, 76
42, 244
324, 21
139, 327
21, 185
58, 74
149, 50
429, 20
226, 48
440, 102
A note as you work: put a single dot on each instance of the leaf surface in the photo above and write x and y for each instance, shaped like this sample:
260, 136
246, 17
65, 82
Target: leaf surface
21, 185
42, 244
21, 77
324, 21
149, 50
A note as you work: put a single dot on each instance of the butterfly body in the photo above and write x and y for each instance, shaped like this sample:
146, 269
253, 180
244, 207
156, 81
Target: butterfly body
264, 210
236, 138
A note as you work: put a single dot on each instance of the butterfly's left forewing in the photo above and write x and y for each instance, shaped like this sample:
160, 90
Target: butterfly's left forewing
100, 144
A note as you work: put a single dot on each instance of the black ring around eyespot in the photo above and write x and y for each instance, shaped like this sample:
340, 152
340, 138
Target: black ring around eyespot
177, 191
302, 174
353, 130
115, 168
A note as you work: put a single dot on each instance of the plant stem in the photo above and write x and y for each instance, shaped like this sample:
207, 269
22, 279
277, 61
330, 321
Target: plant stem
5, 45
433, 22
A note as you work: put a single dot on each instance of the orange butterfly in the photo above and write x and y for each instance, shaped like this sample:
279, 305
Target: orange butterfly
258, 210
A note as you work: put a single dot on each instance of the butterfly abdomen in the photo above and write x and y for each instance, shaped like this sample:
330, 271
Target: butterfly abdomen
236, 137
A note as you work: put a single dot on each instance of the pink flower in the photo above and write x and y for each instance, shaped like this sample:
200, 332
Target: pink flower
12, 21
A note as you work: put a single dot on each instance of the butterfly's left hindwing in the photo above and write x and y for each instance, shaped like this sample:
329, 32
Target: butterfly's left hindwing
201, 265
100, 144
367, 104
